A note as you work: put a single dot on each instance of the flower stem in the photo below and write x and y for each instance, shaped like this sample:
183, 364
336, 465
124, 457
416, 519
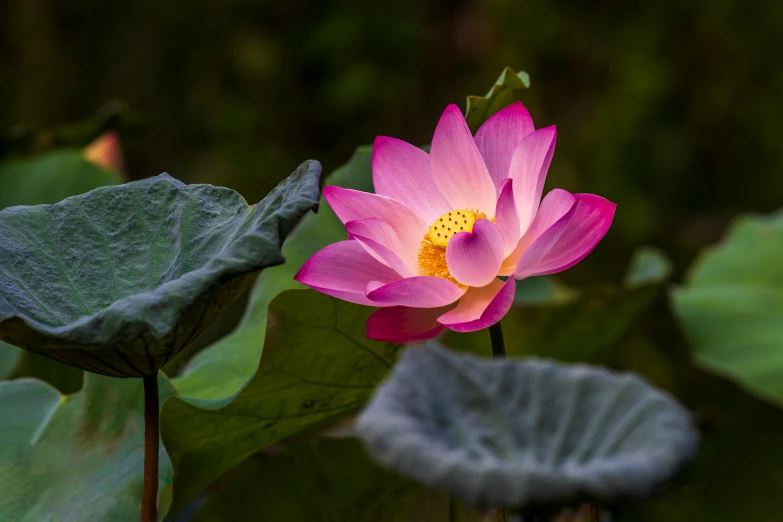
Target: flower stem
498, 344
498, 352
149, 496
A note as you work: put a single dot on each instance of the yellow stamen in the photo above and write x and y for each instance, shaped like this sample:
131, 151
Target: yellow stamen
432, 254
451, 223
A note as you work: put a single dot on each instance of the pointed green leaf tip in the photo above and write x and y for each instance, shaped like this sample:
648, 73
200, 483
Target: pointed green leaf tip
516, 434
505, 92
118, 280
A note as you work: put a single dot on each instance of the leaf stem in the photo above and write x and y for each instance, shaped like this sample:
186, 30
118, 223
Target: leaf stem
149, 496
498, 352
498, 344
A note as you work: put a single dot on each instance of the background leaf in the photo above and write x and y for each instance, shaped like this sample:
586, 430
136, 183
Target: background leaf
77, 457
525, 433
731, 306
50, 178
574, 325
325, 480
9, 358
317, 365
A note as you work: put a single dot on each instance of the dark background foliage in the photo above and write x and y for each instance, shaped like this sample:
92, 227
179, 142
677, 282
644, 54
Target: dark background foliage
671, 109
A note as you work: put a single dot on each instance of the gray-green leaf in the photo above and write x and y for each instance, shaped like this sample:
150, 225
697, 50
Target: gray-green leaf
516, 434
119, 280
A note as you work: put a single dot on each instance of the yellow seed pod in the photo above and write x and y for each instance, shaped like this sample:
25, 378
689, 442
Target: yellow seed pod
449, 224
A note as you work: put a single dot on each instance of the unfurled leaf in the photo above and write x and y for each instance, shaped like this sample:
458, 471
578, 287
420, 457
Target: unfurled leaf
326, 480
77, 457
317, 364
117, 281
731, 306
504, 92
522, 433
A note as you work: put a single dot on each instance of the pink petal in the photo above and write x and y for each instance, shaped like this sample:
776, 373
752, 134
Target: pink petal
474, 258
402, 324
507, 218
529, 165
381, 242
402, 172
554, 206
343, 270
351, 205
569, 239
481, 307
418, 292
499, 136
457, 166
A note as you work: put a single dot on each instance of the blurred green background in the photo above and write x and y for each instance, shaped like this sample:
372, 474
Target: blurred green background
670, 109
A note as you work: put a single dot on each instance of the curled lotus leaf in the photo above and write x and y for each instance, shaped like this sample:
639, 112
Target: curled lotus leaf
119, 280
525, 433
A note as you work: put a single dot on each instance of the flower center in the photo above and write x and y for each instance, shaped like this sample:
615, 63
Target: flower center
449, 224
432, 254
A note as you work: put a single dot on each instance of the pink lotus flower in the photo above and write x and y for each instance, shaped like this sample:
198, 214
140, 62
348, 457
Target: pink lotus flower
429, 246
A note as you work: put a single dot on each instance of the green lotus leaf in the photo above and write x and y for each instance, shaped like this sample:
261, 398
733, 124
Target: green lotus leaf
317, 364
119, 280
48, 178
504, 92
324, 480
525, 433
731, 306
77, 457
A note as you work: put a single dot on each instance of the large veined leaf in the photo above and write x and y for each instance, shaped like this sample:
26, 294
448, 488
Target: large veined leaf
78, 457
325, 480
117, 281
317, 364
45, 179
504, 92
522, 434
731, 306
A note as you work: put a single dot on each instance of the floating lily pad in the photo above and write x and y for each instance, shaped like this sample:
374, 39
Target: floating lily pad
518, 434
117, 281
731, 306
77, 457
